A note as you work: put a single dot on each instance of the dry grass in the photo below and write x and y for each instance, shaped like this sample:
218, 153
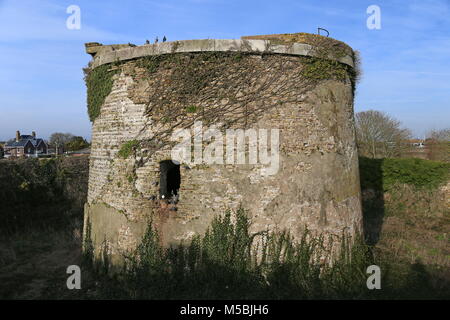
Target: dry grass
410, 230
416, 226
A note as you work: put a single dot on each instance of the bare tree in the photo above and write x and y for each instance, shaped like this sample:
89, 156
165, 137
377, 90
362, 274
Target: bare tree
438, 143
379, 135
58, 140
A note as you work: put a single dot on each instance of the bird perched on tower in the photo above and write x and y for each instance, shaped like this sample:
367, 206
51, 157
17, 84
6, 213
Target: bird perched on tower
164, 39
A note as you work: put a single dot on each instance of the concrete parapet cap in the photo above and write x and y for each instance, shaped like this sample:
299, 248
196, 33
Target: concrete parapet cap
104, 54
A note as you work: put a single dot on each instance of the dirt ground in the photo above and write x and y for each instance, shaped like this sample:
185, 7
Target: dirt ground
34, 267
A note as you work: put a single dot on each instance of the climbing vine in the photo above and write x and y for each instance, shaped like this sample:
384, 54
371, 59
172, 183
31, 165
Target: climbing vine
99, 83
229, 89
232, 89
190, 75
323, 64
324, 69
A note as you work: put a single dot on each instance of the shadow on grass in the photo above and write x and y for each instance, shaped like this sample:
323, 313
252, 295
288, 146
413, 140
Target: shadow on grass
371, 176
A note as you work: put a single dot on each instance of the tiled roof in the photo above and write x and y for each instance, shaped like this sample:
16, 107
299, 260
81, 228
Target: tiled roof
36, 142
24, 139
16, 144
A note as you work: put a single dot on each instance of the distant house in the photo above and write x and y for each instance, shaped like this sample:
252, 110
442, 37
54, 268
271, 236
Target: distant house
417, 143
25, 146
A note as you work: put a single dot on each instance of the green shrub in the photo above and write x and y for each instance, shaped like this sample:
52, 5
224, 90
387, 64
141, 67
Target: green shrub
37, 193
417, 172
384, 174
76, 143
221, 265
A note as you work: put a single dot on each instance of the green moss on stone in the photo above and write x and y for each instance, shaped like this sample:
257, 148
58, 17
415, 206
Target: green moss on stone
127, 148
130, 178
191, 109
324, 69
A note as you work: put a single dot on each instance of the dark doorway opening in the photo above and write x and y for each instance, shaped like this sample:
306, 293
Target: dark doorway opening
170, 180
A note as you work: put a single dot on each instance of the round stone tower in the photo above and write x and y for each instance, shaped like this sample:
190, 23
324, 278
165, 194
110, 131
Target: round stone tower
185, 130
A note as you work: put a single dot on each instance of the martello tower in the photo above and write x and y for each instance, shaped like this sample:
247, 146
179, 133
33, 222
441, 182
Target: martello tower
301, 85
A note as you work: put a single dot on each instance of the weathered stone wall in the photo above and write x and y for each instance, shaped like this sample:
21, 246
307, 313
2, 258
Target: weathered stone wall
316, 186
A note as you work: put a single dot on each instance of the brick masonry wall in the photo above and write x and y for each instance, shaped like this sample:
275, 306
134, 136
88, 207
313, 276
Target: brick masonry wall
316, 186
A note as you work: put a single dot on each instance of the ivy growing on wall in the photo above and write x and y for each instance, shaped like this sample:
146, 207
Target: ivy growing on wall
99, 83
192, 73
230, 87
324, 69
233, 88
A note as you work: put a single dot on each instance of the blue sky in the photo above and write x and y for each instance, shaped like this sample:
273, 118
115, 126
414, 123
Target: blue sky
406, 64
